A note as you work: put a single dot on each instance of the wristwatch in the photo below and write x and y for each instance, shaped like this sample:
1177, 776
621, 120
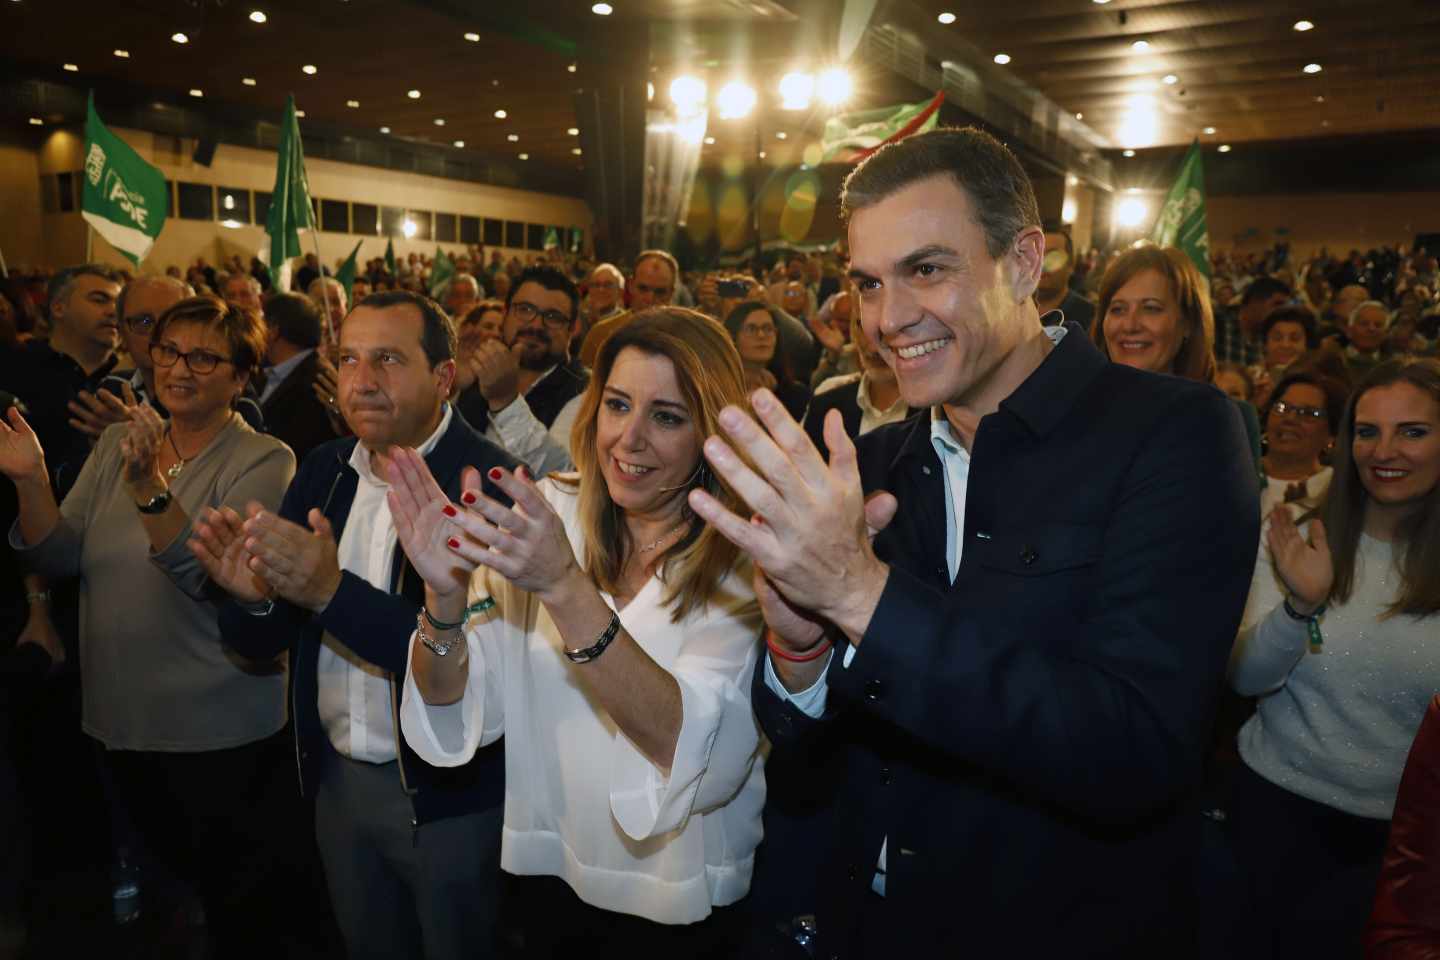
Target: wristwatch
156, 504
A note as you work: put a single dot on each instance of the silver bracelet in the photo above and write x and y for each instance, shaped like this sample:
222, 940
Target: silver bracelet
598, 647
440, 648
38, 596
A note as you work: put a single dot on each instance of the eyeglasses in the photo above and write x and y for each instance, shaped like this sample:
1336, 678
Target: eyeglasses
199, 361
1282, 408
141, 322
528, 311
756, 330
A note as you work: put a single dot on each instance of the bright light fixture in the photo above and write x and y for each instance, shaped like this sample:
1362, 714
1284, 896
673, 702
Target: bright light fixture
413, 94
1312, 68
796, 89
258, 16
299, 113
439, 121
524, 156
602, 9
36, 122
1208, 131
1319, 98
1224, 148
384, 129
946, 18
309, 69
123, 54
179, 38
573, 131
248, 81
501, 114
1079, 116
352, 104
1002, 58
735, 100
1131, 212
709, 141
688, 94
196, 92
71, 68
762, 154
408, 228
1303, 25
1140, 46
571, 68
780, 134
1101, 2
1127, 153
1169, 79
459, 143
473, 37
576, 150
834, 86
513, 138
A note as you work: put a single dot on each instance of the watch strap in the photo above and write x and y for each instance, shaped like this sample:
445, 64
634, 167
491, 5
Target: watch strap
598, 647
156, 504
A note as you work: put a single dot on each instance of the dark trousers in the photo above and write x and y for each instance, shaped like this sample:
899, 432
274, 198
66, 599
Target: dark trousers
1305, 874
229, 824
555, 923
401, 890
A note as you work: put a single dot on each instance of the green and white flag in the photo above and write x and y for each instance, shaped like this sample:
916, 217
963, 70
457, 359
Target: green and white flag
1181, 222
852, 137
126, 200
390, 258
441, 272
290, 210
552, 239
348, 269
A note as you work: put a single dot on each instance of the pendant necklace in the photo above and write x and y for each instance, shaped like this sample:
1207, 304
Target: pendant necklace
173, 471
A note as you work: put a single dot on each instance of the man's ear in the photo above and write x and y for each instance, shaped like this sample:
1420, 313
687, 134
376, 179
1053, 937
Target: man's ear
1027, 260
445, 371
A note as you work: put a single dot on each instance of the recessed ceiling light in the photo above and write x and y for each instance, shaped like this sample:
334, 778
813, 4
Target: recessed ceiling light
179, 38
513, 138
762, 154
299, 113
571, 68
248, 81
1002, 58
36, 122
1319, 98
946, 18
1140, 46
473, 37
1208, 131
1224, 148
1102, 2
384, 129
258, 16
459, 143
413, 94
780, 134
1127, 153
576, 150
573, 131
524, 156
1079, 116
196, 92
710, 141
602, 9
71, 68
1303, 25
1312, 68
309, 69
123, 54
439, 121
500, 114
1169, 79
1324, 123
352, 104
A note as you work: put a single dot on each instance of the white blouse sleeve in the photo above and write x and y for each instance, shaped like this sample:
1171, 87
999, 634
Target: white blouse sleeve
719, 739
448, 735
1270, 642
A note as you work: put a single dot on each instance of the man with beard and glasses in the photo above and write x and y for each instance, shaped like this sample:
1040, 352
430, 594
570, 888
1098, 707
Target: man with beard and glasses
524, 379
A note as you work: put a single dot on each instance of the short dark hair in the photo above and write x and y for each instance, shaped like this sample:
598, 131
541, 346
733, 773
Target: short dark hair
1263, 288
1291, 314
550, 279
63, 283
1050, 226
243, 329
982, 166
437, 338
295, 318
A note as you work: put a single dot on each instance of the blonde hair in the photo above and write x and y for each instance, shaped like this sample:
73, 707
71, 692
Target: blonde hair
709, 374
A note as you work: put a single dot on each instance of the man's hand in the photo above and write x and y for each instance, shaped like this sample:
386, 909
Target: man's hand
497, 371
93, 412
303, 566
809, 533
826, 333
218, 543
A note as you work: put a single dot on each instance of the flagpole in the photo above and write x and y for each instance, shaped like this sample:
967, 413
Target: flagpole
324, 287
89, 240
4, 270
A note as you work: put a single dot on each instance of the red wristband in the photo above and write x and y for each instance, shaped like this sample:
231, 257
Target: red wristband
819, 650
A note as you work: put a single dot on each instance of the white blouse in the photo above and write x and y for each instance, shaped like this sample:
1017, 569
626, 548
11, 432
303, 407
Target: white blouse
582, 802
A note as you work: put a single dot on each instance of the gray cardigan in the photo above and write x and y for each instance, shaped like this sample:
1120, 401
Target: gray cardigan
154, 673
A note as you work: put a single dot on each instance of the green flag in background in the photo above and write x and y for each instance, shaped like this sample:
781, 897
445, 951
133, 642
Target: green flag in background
390, 257
851, 137
290, 210
126, 200
441, 272
552, 239
346, 275
1181, 222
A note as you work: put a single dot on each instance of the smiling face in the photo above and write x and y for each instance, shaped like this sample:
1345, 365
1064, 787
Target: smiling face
191, 395
1296, 433
388, 391
1397, 443
943, 313
645, 435
1143, 328
1284, 344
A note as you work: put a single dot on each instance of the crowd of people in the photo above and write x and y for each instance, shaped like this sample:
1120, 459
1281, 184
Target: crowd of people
517, 608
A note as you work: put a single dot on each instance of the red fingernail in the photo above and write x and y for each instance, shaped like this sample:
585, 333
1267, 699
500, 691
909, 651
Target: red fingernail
468, 497
454, 544
449, 511
494, 473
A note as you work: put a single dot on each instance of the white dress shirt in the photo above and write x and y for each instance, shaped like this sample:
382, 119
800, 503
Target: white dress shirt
582, 803
871, 416
517, 430
355, 699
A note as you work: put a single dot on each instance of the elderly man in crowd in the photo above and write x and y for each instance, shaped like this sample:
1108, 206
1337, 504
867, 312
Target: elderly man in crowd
243, 289
656, 273
1020, 711
461, 293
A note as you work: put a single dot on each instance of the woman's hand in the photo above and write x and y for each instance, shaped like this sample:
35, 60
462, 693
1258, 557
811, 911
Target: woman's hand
526, 543
21, 457
1305, 567
140, 451
427, 523
218, 542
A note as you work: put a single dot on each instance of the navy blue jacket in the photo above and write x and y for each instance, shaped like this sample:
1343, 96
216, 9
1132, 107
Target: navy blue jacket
1026, 737
374, 624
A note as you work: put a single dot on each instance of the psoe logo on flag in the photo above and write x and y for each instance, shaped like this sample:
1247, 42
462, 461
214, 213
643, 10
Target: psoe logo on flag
132, 203
95, 164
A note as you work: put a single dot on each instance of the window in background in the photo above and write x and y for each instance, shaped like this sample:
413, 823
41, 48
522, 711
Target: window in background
421, 219
197, 201
65, 183
364, 219
445, 227
334, 216
494, 233
469, 229
534, 236
262, 207
392, 220
514, 234
234, 205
